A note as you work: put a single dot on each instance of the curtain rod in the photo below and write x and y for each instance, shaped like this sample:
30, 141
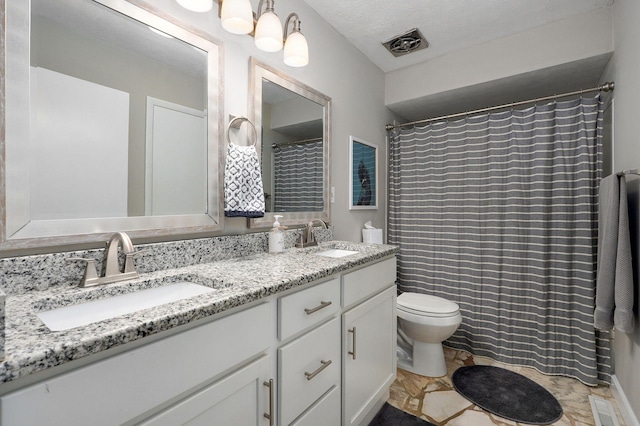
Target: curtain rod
629, 172
606, 87
300, 142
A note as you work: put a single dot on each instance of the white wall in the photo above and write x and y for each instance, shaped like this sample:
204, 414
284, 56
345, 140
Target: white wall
625, 71
337, 69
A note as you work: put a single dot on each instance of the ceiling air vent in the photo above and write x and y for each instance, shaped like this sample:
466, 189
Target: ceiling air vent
408, 42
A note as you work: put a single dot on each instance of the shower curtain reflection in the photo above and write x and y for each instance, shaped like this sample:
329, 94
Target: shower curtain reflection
497, 212
298, 176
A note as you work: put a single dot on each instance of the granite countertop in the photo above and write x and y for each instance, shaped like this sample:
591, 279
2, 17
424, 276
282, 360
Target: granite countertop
31, 347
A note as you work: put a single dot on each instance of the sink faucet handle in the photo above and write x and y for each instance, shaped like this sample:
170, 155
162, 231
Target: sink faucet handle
310, 237
90, 276
129, 266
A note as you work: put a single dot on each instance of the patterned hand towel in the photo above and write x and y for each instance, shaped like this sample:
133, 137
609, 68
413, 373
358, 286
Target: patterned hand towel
243, 193
614, 286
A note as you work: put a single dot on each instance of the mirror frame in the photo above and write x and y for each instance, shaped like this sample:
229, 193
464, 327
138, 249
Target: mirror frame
257, 72
15, 110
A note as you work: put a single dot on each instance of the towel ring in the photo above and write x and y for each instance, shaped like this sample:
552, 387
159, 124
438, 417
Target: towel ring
241, 120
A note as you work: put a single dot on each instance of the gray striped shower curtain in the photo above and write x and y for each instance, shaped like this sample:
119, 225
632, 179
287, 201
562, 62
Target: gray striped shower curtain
498, 212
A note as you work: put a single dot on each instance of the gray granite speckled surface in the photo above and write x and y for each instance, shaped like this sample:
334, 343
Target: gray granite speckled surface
31, 347
3, 298
40, 272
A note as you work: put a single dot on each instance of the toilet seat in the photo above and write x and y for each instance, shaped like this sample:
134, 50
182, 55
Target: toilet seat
427, 305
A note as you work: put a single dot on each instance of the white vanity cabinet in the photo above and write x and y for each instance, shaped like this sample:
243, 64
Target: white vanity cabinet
319, 355
201, 371
368, 340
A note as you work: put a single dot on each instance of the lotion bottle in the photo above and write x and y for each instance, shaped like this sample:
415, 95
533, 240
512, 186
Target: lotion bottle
276, 237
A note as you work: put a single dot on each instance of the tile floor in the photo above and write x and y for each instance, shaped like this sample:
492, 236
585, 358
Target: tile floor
435, 400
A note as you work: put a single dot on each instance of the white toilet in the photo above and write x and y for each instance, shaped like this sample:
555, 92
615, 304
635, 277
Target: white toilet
424, 322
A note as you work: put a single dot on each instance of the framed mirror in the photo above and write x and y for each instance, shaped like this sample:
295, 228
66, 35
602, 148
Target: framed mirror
111, 122
294, 139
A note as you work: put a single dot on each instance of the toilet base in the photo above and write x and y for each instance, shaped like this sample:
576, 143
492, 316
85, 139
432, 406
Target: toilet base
430, 360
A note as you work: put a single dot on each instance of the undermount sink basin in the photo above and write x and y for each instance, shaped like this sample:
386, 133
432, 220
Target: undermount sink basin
81, 314
336, 253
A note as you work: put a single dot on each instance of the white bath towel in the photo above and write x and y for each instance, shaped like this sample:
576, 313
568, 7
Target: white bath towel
243, 191
614, 286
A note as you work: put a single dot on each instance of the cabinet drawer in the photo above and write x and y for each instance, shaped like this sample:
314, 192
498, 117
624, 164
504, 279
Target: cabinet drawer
360, 284
302, 377
324, 412
308, 307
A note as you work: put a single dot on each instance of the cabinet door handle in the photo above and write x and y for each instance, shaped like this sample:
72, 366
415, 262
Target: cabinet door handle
322, 305
269, 415
353, 331
324, 365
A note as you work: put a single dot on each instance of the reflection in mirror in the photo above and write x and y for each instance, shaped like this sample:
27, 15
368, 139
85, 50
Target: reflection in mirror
295, 138
116, 124
91, 89
291, 150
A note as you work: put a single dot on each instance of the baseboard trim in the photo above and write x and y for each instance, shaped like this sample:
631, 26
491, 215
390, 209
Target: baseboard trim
628, 415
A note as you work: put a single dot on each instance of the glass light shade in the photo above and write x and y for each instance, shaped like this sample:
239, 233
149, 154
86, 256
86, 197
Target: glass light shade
237, 16
268, 36
196, 5
296, 50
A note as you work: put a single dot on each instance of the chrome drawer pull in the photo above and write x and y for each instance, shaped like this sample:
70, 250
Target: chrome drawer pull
317, 308
269, 415
353, 353
324, 365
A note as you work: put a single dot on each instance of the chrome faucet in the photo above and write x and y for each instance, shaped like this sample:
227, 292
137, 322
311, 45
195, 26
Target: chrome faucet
112, 272
307, 238
112, 268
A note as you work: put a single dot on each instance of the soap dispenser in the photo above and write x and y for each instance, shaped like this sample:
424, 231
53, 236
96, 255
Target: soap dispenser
276, 237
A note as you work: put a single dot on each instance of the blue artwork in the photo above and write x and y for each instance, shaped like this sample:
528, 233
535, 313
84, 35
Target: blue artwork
363, 177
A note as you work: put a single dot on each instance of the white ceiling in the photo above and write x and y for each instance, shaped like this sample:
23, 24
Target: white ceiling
448, 25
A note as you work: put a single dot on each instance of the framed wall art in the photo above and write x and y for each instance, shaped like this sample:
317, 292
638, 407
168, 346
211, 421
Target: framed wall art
363, 179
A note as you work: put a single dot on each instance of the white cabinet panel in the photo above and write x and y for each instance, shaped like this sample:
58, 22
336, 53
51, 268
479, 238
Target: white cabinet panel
369, 356
365, 282
240, 399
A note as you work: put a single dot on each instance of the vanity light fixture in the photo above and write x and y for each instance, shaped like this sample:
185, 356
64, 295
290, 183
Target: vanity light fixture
237, 16
296, 49
196, 5
268, 34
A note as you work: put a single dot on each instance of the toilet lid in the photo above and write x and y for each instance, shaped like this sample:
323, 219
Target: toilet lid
425, 303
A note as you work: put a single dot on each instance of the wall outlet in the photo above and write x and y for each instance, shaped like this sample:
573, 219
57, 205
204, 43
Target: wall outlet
333, 194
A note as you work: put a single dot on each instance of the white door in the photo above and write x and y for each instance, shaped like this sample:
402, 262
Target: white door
176, 159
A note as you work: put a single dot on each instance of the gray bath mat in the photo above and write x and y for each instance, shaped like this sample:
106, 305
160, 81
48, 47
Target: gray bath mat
391, 416
507, 394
